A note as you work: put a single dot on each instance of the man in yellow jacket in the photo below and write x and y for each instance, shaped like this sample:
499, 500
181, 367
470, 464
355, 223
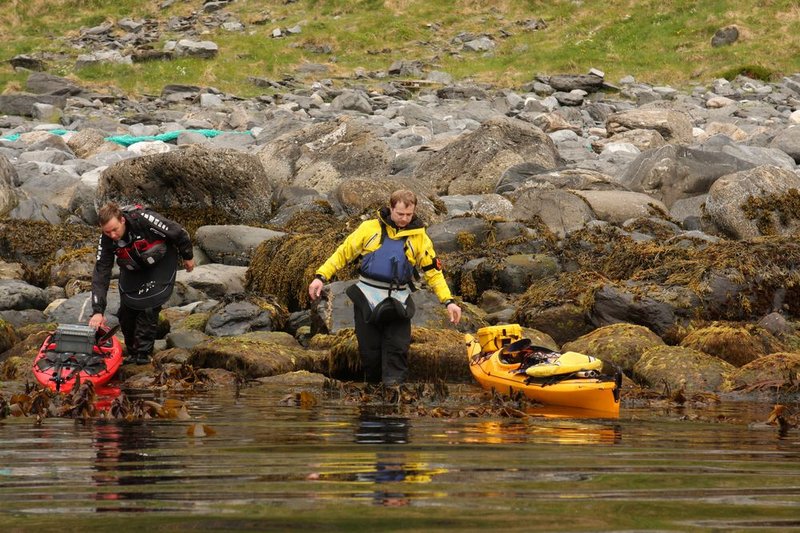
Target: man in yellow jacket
392, 247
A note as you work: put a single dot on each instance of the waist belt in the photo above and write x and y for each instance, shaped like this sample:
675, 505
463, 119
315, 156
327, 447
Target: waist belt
382, 284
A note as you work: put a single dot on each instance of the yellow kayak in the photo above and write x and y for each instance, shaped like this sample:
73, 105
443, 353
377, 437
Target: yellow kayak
513, 366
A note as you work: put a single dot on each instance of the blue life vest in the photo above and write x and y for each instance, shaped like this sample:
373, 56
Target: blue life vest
389, 262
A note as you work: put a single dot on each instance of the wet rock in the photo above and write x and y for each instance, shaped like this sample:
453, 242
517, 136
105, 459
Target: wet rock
185, 339
770, 374
300, 378
661, 309
255, 355
681, 369
738, 344
620, 344
238, 318
174, 355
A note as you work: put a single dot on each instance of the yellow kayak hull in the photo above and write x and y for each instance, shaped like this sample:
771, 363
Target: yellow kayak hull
590, 394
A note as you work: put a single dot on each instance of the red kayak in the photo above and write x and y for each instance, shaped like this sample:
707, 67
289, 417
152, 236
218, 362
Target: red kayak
75, 351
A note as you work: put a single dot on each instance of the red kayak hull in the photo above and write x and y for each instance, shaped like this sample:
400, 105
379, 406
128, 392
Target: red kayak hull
50, 376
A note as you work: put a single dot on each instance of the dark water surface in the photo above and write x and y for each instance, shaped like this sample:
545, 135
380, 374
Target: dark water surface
340, 466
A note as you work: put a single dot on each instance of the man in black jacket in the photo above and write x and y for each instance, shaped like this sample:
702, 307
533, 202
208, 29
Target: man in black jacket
146, 246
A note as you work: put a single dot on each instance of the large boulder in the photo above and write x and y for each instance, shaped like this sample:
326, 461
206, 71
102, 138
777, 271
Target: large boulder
526, 176
673, 172
255, 354
223, 186
664, 310
561, 211
474, 163
675, 126
620, 344
676, 368
738, 344
755, 202
321, 156
16, 294
618, 206
24, 104
769, 374
788, 141
213, 280
232, 244
357, 196
90, 142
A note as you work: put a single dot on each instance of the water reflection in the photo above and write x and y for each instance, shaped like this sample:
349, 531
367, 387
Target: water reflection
338, 463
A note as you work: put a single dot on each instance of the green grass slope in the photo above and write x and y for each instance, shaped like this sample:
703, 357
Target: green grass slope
658, 42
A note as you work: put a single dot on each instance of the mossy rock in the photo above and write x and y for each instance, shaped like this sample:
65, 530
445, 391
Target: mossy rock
35, 243
434, 354
540, 338
773, 372
256, 354
437, 354
559, 306
738, 344
16, 368
676, 368
195, 322
301, 378
8, 336
563, 323
619, 344
30, 329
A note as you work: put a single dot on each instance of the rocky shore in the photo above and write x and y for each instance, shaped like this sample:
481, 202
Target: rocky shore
652, 227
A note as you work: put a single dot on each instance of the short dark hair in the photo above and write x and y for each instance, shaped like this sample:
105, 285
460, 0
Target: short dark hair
403, 196
108, 212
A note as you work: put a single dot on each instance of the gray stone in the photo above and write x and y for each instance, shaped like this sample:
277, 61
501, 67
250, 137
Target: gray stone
232, 244
16, 294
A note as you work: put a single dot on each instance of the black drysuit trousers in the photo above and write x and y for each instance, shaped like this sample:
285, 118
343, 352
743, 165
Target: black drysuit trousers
139, 327
383, 348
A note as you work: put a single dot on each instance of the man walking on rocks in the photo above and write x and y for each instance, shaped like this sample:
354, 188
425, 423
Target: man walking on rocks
393, 248
146, 246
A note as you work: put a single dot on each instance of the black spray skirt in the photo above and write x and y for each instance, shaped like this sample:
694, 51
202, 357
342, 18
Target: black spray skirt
152, 286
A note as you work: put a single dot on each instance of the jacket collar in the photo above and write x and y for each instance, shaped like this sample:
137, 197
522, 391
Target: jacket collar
385, 217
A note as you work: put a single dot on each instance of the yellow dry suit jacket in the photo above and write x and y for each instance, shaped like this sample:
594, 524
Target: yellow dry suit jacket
418, 249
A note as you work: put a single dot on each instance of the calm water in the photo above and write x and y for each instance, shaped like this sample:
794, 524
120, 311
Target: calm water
340, 466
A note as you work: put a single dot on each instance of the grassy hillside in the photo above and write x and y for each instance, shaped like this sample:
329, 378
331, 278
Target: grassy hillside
656, 41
